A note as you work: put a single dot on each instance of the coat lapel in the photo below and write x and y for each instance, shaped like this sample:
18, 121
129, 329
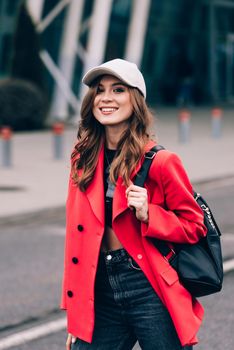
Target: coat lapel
95, 191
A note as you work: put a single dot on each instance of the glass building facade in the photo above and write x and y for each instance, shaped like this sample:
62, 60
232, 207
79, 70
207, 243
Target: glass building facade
188, 44
188, 53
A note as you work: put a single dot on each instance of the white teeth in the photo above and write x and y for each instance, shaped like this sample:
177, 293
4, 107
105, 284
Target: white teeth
108, 110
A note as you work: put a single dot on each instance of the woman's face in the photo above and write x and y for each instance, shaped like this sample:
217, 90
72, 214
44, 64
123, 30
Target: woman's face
112, 105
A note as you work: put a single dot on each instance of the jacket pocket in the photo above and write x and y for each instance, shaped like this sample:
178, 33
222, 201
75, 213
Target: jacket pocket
170, 276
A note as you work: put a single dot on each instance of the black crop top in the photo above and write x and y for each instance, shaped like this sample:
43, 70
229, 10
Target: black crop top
109, 187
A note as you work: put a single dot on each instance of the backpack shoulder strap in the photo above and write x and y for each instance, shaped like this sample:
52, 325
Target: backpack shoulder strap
139, 180
141, 176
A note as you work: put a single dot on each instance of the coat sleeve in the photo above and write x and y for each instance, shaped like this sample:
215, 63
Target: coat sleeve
180, 219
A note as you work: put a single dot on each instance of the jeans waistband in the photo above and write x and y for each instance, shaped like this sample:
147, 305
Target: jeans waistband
115, 255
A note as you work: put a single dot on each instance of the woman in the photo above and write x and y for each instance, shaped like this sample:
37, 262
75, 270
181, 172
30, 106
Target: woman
118, 289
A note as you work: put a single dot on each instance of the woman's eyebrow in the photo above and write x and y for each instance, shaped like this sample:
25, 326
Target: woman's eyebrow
119, 83
114, 84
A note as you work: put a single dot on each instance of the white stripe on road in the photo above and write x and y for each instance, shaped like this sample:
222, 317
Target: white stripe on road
33, 333
228, 265
227, 237
58, 325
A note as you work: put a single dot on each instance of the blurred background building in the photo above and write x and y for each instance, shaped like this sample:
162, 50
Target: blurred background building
185, 48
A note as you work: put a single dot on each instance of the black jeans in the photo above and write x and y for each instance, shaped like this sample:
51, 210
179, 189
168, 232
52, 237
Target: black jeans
127, 309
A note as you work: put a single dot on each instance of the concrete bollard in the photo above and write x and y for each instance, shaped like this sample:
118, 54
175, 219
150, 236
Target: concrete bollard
6, 136
58, 130
216, 121
184, 125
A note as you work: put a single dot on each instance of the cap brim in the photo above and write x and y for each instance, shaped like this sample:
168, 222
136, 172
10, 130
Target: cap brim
94, 73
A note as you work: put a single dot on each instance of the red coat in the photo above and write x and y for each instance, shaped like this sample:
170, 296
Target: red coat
173, 215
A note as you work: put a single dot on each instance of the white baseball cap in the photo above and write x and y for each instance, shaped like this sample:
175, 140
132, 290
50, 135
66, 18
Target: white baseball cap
126, 71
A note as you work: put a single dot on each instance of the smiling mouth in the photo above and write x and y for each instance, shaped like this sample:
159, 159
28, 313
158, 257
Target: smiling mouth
108, 109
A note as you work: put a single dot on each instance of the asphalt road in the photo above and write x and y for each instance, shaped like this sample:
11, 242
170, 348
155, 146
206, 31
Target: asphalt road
31, 261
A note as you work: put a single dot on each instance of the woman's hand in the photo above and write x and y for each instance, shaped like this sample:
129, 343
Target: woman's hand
137, 198
70, 340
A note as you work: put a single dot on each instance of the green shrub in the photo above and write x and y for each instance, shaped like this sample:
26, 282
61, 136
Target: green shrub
23, 106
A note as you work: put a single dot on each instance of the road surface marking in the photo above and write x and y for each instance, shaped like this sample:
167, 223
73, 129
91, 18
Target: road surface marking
227, 237
33, 333
228, 265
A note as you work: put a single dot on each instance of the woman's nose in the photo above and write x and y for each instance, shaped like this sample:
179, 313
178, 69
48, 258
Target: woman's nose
106, 96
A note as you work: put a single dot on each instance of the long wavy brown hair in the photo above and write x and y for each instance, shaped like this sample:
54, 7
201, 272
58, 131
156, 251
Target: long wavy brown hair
91, 135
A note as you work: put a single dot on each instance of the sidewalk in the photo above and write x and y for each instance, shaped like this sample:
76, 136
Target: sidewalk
38, 182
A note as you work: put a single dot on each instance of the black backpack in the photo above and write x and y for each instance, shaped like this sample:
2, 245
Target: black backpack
200, 265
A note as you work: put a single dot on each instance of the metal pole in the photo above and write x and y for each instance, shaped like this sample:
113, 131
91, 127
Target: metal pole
59, 78
67, 57
35, 8
216, 121
97, 35
184, 126
52, 15
6, 135
58, 131
137, 29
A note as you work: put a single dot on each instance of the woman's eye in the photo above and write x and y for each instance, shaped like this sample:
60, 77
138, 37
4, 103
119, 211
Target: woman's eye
99, 90
119, 89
